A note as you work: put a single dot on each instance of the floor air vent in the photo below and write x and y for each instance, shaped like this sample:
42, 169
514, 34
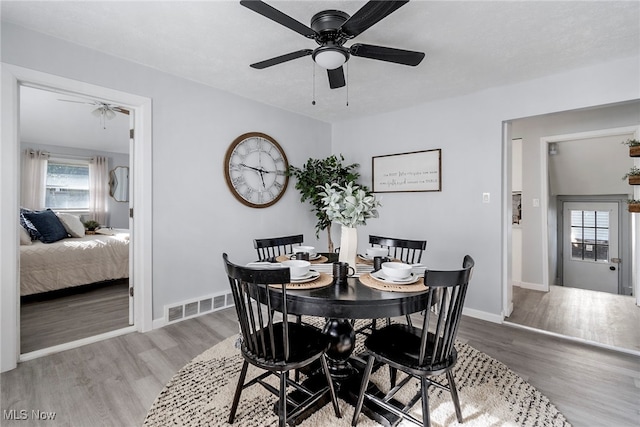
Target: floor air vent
188, 309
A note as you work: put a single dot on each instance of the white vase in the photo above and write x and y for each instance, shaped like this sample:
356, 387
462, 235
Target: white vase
348, 245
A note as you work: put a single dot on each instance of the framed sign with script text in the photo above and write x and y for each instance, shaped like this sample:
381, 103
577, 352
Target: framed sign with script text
415, 171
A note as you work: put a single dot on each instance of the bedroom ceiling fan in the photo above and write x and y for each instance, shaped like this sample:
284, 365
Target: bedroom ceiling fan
103, 110
331, 29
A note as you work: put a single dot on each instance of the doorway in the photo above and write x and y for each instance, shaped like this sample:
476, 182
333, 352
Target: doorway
538, 300
71, 131
12, 78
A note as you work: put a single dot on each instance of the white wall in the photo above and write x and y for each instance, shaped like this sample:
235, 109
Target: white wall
195, 217
468, 129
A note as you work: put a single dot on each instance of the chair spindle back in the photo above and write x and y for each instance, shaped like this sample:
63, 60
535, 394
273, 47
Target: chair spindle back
273, 247
257, 295
447, 292
407, 251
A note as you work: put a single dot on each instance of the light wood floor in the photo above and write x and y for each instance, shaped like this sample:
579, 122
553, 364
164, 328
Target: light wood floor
613, 320
65, 318
114, 382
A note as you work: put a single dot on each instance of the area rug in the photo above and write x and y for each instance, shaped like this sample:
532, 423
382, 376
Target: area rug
200, 394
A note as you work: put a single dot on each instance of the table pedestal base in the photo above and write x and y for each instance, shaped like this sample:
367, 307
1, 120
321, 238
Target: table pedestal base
346, 372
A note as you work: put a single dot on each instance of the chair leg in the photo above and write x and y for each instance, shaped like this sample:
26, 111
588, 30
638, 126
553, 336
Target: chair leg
282, 410
363, 388
393, 374
332, 389
454, 395
426, 418
236, 396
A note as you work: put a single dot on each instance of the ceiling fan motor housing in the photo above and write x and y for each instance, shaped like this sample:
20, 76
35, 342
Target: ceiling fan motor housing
327, 25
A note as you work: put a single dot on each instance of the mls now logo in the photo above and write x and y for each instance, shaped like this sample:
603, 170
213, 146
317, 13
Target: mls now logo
23, 414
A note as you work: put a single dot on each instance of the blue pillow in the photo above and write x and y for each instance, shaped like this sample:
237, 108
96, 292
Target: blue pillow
33, 231
48, 225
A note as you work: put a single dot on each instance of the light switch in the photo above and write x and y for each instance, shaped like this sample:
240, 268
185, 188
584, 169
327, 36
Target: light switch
486, 197
536, 203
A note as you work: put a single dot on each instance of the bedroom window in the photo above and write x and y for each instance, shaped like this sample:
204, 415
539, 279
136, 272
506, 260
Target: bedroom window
67, 185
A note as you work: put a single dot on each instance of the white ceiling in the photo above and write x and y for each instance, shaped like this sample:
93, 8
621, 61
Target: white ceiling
469, 46
46, 119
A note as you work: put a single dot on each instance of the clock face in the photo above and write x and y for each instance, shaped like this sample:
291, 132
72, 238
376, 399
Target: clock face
255, 168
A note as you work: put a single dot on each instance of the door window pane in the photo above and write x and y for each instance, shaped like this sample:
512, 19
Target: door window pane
590, 235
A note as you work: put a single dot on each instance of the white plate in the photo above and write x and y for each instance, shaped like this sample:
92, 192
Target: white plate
383, 277
311, 275
365, 257
311, 258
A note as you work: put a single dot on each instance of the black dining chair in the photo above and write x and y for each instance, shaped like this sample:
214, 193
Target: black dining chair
275, 345
407, 251
270, 248
404, 250
421, 353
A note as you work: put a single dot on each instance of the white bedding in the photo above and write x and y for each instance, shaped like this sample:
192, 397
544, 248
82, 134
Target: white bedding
73, 262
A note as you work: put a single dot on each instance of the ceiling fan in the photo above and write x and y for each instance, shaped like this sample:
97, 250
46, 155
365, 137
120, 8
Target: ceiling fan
331, 29
103, 110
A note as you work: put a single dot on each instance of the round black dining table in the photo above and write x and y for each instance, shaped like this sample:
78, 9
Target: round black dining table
338, 304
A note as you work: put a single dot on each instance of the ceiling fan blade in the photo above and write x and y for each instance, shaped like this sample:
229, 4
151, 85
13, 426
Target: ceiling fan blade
336, 78
282, 58
389, 54
120, 110
369, 14
279, 17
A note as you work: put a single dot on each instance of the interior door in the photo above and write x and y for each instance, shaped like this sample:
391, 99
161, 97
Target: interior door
590, 246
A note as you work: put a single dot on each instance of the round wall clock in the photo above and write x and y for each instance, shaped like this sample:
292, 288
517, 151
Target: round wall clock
255, 168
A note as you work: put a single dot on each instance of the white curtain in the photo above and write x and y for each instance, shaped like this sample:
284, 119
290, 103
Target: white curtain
34, 179
98, 189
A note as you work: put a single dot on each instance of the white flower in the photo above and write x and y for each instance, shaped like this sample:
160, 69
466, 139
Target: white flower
350, 205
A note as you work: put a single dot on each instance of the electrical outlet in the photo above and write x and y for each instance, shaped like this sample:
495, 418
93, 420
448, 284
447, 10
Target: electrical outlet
486, 197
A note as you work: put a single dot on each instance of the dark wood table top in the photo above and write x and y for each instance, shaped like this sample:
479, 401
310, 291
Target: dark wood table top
353, 301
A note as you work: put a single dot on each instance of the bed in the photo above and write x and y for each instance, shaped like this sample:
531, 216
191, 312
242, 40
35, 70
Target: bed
74, 261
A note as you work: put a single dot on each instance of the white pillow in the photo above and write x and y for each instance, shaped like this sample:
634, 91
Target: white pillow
72, 224
25, 239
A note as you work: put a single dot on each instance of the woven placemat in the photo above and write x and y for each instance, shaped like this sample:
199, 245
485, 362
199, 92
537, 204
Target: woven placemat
320, 260
323, 280
370, 281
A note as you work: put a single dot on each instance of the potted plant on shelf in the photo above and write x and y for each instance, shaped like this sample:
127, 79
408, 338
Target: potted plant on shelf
349, 206
633, 175
310, 181
634, 205
91, 226
634, 147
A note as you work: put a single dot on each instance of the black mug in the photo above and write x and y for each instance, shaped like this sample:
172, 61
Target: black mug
304, 256
377, 262
341, 270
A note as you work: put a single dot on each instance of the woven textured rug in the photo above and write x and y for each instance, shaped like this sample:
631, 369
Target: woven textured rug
200, 394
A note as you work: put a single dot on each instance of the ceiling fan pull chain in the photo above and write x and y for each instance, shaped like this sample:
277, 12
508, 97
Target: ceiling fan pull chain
347, 85
313, 83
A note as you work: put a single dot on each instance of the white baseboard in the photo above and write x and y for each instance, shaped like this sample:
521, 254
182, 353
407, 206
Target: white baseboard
482, 315
159, 323
532, 286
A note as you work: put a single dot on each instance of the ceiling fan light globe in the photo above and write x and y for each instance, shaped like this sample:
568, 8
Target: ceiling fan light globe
330, 58
109, 114
98, 112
